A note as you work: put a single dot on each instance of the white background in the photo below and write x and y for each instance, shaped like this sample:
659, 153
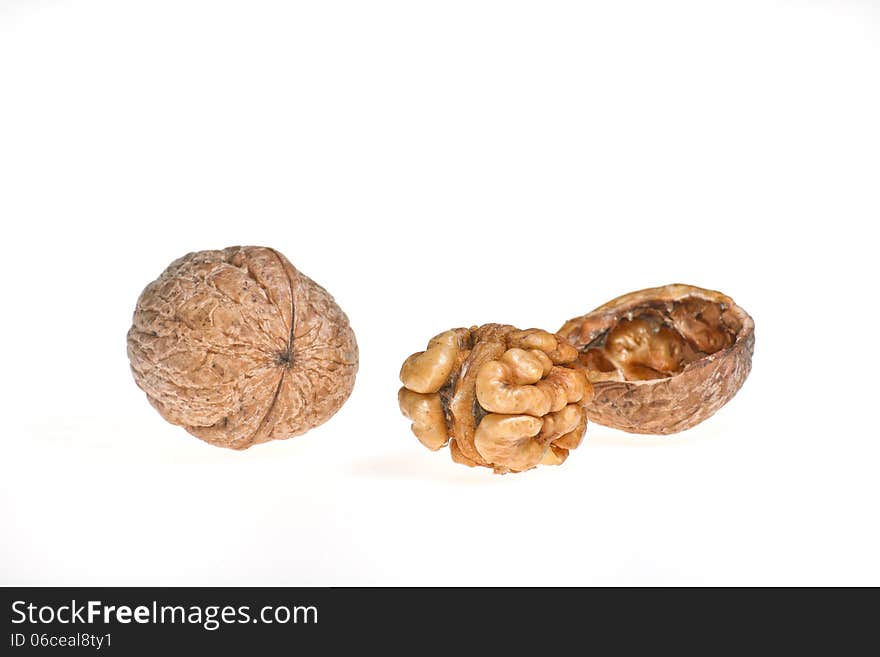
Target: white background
438, 164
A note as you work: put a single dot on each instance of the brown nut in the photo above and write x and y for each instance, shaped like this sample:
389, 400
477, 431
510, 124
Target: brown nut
664, 359
499, 397
238, 347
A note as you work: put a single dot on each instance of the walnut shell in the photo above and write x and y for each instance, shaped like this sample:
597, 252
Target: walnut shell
238, 347
501, 398
664, 359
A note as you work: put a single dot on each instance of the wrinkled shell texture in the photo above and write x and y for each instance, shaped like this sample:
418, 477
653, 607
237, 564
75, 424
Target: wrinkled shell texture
664, 359
499, 397
239, 348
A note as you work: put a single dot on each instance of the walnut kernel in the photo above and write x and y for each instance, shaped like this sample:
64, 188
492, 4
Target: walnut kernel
499, 397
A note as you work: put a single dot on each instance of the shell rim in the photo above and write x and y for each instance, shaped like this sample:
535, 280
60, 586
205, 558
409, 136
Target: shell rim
673, 292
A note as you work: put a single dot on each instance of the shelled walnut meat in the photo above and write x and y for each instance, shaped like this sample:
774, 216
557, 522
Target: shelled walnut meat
499, 397
238, 347
663, 359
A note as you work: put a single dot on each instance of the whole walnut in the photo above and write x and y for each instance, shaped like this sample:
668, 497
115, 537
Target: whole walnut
499, 397
663, 359
239, 348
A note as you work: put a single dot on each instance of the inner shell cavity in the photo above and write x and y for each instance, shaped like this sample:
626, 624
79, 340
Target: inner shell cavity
659, 340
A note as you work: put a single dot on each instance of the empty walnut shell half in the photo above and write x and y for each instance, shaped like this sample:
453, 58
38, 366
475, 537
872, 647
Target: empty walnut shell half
499, 397
238, 347
664, 359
